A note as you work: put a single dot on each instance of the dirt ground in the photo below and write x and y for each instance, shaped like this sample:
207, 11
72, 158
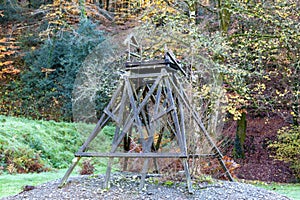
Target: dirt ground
259, 164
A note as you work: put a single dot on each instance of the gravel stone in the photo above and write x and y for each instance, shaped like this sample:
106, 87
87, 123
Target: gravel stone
125, 186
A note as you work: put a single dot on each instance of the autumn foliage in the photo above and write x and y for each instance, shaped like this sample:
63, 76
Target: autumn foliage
8, 48
243, 58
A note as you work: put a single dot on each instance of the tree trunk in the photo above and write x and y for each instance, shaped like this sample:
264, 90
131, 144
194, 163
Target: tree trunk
238, 151
224, 15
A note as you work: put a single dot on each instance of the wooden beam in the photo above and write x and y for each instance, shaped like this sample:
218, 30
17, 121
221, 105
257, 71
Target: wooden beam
145, 63
141, 155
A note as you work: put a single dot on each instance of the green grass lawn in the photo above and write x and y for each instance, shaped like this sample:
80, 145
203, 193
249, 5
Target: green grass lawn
290, 190
50, 144
55, 143
13, 184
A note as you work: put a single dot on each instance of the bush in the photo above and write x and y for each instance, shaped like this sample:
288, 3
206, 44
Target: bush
11, 12
287, 147
53, 68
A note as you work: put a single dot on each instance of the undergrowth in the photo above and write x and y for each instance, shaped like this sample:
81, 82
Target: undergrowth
34, 146
287, 147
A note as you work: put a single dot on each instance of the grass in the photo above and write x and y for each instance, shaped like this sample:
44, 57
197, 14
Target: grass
56, 143
12, 184
290, 190
26, 143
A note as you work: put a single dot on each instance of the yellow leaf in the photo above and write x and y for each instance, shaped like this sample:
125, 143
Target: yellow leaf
293, 114
3, 40
2, 48
6, 63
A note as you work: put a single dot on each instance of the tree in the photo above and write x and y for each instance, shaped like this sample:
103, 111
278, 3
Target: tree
264, 33
54, 67
263, 40
224, 15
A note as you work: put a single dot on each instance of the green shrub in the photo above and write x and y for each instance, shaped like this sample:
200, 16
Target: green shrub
109, 131
47, 86
11, 12
287, 147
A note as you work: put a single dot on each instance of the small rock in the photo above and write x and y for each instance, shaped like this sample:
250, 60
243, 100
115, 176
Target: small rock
149, 193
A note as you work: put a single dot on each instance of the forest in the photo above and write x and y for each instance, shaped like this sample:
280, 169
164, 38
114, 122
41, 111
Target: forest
242, 56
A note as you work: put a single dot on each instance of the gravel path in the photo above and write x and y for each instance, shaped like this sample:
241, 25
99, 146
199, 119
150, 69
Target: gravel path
125, 186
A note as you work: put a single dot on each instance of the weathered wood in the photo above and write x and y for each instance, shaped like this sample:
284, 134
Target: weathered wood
112, 116
161, 114
201, 126
146, 83
159, 139
131, 42
108, 172
127, 141
142, 104
116, 135
174, 64
135, 45
101, 123
110, 160
188, 176
145, 63
127, 126
135, 55
131, 155
142, 76
116, 93
178, 131
144, 173
141, 155
182, 125
135, 110
66, 176
123, 105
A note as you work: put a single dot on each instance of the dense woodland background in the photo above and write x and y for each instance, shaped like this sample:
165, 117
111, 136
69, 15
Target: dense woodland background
244, 57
